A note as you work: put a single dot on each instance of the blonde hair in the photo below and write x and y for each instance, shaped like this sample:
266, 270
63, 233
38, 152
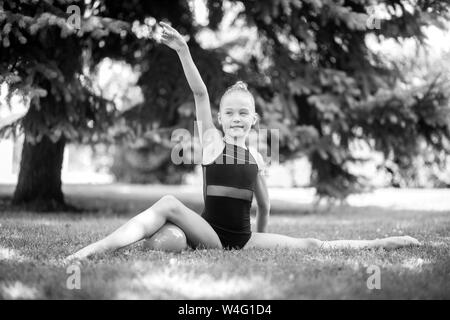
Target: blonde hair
238, 86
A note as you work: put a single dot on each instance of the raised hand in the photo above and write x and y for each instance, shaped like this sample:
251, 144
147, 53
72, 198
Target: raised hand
172, 38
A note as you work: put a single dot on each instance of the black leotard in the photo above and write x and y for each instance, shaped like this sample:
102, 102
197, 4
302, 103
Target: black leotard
228, 186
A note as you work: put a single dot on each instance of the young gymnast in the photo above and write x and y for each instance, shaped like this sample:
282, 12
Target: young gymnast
232, 174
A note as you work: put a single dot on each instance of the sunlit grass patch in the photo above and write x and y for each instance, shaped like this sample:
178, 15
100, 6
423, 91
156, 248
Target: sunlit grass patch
17, 290
32, 246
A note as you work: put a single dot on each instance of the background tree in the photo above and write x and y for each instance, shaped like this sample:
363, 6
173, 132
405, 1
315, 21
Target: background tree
42, 57
325, 89
313, 75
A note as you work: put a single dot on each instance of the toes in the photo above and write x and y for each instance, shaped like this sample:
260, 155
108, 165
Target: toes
412, 241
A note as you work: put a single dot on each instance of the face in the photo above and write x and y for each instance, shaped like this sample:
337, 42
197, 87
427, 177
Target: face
237, 114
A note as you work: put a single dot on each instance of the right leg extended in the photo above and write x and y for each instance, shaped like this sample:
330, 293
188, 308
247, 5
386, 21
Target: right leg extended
271, 240
168, 209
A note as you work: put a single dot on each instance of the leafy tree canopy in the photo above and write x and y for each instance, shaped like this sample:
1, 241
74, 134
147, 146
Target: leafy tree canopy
315, 78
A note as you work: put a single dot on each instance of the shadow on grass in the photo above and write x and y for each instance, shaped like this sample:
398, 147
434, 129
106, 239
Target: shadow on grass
251, 274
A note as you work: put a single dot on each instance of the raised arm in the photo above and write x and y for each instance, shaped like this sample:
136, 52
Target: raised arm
175, 41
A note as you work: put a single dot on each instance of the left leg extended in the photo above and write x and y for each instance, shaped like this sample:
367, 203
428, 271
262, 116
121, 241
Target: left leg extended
272, 241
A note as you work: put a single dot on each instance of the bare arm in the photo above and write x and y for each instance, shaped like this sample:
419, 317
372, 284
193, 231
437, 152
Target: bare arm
263, 204
174, 40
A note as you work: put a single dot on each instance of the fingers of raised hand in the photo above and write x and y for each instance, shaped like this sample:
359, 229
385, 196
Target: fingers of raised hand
165, 38
168, 30
167, 34
166, 26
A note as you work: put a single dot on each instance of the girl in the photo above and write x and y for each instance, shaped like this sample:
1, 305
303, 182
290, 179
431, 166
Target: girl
232, 174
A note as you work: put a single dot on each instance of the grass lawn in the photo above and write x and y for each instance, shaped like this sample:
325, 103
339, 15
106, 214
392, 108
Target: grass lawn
31, 246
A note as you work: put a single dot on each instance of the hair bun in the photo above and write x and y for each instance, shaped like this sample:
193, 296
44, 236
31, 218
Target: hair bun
240, 85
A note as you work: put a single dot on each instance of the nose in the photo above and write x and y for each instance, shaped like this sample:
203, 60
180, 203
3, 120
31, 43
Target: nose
236, 117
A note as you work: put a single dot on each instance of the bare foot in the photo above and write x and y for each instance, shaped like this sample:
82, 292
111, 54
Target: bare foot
77, 256
397, 242
71, 260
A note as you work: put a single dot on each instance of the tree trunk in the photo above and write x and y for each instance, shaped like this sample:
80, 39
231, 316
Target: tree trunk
39, 183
